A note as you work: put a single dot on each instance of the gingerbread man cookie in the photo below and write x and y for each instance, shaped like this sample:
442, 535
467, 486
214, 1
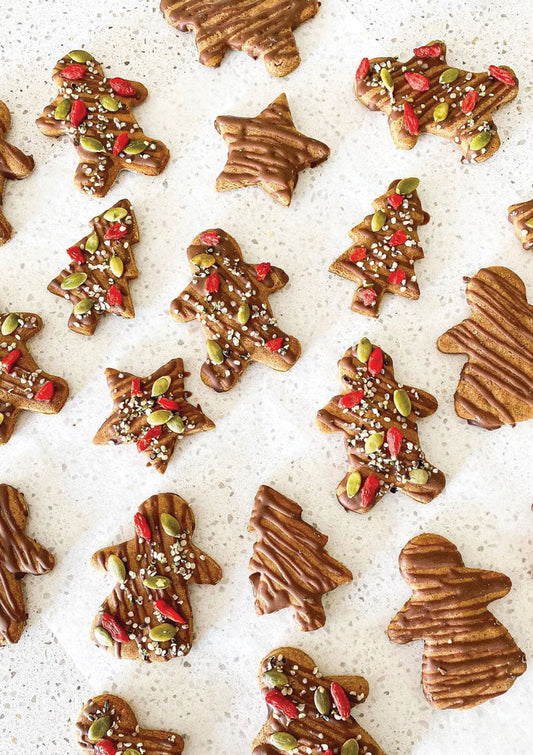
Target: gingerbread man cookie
14, 164
521, 216
97, 114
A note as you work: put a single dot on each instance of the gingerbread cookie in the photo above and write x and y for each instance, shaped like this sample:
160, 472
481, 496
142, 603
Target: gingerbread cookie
309, 712
107, 726
19, 555
496, 384
24, 387
96, 281
152, 412
378, 417
230, 298
97, 114
267, 151
14, 164
148, 616
290, 565
261, 28
469, 657
426, 95
521, 216
386, 246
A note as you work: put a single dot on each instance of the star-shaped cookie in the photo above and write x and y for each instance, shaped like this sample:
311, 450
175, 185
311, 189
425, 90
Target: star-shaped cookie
152, 412
267, 151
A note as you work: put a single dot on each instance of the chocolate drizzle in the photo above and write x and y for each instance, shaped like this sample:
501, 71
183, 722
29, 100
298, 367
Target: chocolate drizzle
469, 657
267, 151
519, 216
14, 164
290, 566
19, 555
496, 384
261, 28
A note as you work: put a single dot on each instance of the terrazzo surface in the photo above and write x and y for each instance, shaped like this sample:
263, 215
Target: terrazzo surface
83, 497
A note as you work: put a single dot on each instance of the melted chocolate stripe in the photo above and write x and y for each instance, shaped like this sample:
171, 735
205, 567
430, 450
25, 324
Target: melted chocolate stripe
519, 214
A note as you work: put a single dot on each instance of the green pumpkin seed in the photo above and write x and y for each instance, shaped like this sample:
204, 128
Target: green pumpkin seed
322, 701
378, 220
109, 103
131, 751
161, 385
374, 442
283, 741
215, 352
115, 566
480, 141
73, 281
98, 729
103, 637
91, 144
159, 417
135, 147
163, 632
116, 266
83, 306
243, 315
170, 525
353, 483
203, 260
364, 349
176, 424
80, 56
402, 402
91, 245
440, 113
10, 324
529, 223
407, 185
1, 418
157, 582
350, 747
275, 678
62, 109
418, 476
386, 78
449, 75
115, 213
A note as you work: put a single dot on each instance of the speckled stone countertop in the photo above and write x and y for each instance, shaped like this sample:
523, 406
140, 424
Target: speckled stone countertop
82, 497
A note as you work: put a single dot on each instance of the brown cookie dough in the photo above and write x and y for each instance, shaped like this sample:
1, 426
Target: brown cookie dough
14, 164
496, 384
427, 95
230, 298
521, 216
469, 657
19, 555
97, 114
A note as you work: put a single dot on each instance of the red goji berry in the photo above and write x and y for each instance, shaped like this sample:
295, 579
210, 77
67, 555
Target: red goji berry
212, 283
262, 270
168, 403
369, 489
397, 277
428, 51
78, 111
73, 72
141, 526
500, 74
122, 87
274, 344
394, 441
105, 747
469, 102
278, 701
375, 362
114, 296
395, 200
354, 398
367, 295
340, 698
120, 143
116, 231
397, 238
362, 70
210, 238
168, 612
144, 442
417, 81
115, 628
10, 360
45, 392
135, 387
410, 119
76, 254
359, 253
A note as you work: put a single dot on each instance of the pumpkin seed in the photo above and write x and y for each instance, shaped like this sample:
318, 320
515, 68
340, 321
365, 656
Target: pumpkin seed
386, 78
98, 729
157, 582
83, 306
402, 402
161, 385
283, 741
529, 223
480, 140
350, 747
215, 352
322, 701
176, 424
353, 483
1, 418
449, 75
62, 109
116, 266
374, 442
203, 260
170, 525
407, 185
91, 245
109, 103
131, 751
73, 281
103, 637
135, 147
115, 213
378, 220
275, 678
10, 324
115, 566
91, 144
440, 113
163, 632
80, 56
159, 417
418, 476
243, 315
364, 349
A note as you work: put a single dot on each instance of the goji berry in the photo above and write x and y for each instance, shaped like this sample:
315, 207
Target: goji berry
394, 441
375, 362
210, 238
141, 526
122, 87
417, 81
340, 698
116, 231
45, 392
105, 747
367, 295
281, 703
144, 442
469, 102
274, 344
500, 74
428, 51
120, 143
362, 70
136, 387
10, 360
369, 489
410, 119
76, 254
115, 628
354, 398
359, 253
73, 72
170, 613
397, 277
397, 238
395, 200
168, 403
262, 270
78, 111
114, 296
212, 283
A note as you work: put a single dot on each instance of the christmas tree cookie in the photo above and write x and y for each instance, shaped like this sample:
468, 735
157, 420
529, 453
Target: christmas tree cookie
148, 616
378, 417
230, 298
386, 246
290, 565
97, 114
469, 657
14, 164
427, 95
521, 216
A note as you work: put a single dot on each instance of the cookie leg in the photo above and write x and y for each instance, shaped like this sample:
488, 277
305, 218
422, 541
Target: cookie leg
96, 176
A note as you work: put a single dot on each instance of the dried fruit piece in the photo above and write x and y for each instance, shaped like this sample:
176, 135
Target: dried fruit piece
135, 387
367, 295
46, 391
78, 113
362, 70
122, 87
370, 488
105, 747
116, 231
76, 254
282, 703
114, 296
168, 403
168, 612
428, 51
115, 628
395, 200
397, 277
212, 283
469, 102
358, 253
141, 526
375, 362
500, 74
417, 81
410, 119
262, 270
351, 399
274, 344
210, 238
120, 143
10, 360
340, 698
397, 238
394, 441
73, 72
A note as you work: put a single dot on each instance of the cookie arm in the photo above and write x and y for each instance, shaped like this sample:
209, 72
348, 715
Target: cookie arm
274, 281
448, 343
181, 308
47, 124
207, 571
15, 163
356, 687
160, 742
423, 403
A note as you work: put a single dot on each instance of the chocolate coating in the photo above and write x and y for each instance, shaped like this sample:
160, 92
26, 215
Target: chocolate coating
14, 164
519, 215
